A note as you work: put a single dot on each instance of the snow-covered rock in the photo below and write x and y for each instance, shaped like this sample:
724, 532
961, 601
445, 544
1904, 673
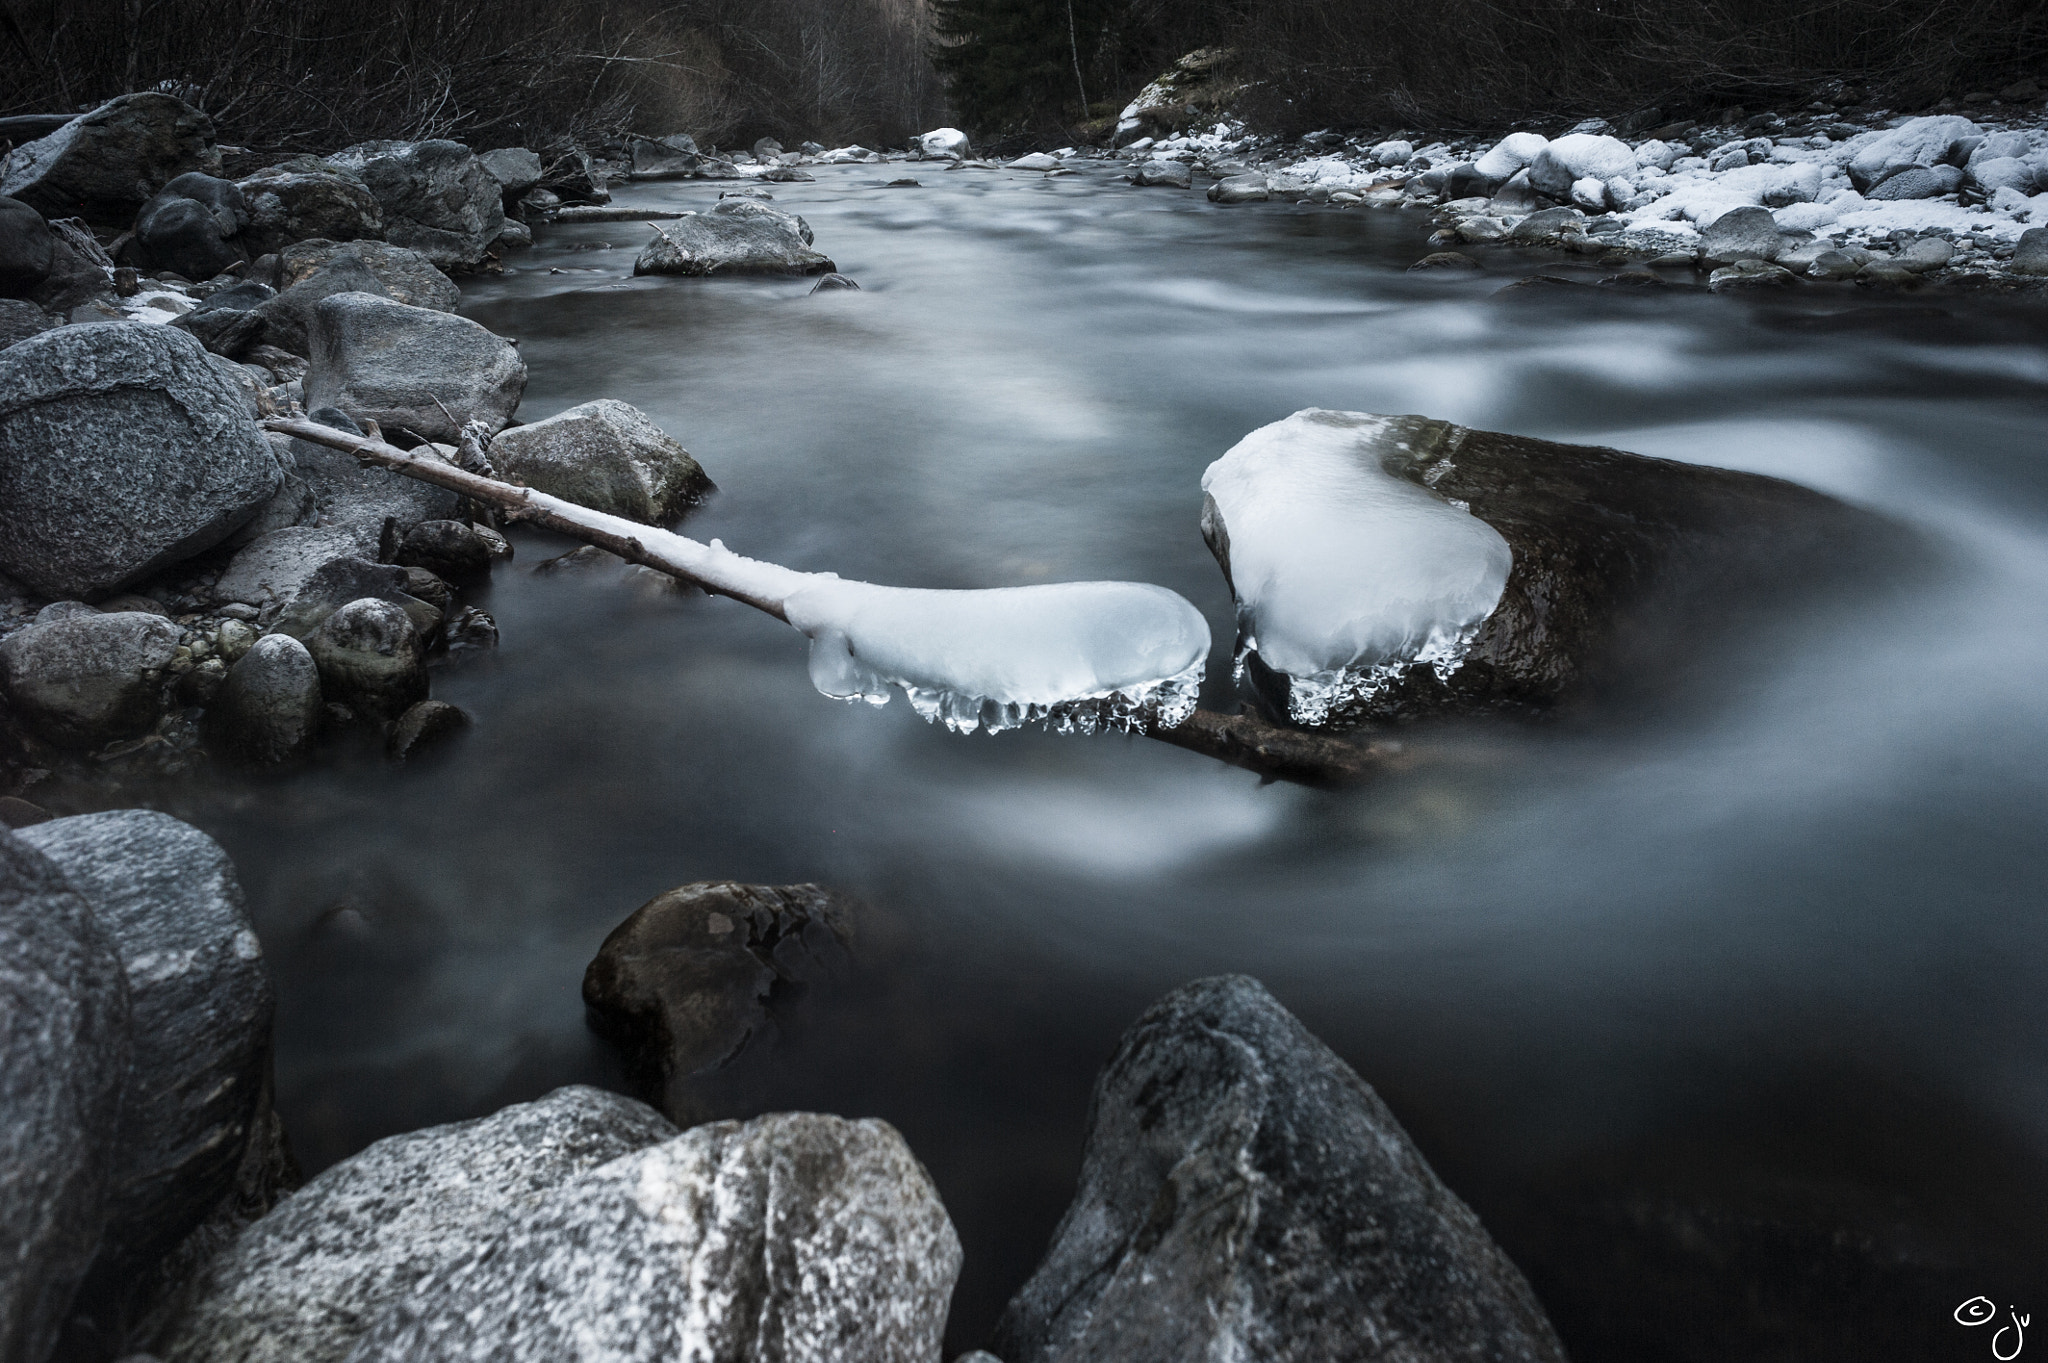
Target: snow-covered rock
1036, 160
1512, 153
943, 142
1917, 142
1392, 152
1658, 154
2004, 172
1579, 156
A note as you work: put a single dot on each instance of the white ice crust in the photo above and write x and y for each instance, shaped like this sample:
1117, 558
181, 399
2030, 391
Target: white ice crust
1081, 655
1346, 574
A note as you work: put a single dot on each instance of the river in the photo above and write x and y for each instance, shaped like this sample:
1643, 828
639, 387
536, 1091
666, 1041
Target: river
1729, 1020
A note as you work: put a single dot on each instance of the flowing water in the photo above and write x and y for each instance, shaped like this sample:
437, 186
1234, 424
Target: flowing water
1730, 1022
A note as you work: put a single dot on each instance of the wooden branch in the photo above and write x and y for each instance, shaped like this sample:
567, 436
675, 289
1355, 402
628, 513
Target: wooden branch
1246, 741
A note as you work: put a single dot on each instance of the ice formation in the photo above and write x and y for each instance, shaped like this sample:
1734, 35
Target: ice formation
1081, 656
1347, 574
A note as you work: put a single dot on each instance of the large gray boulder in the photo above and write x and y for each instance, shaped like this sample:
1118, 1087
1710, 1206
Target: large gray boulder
200, 1005
668, 158
26, 249
407, 275
1746, 233
271, 569
608, 456
800, 1237
435, 197
64, 1041
514, 168
305, 199
104, 165
124, 447
87, 679
1244, 1194
681, 987
193, 226
269, 710
737, 237
409, 368
303, 1284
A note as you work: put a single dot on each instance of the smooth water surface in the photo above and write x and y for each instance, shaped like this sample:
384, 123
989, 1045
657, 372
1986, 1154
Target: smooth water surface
1730, 1023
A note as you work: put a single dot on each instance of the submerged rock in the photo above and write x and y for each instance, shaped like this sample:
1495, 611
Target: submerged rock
124, 447
1244, 1194
102, 166
608, 456
64, 1040
306, 1282
793, 1236
685, 983
1621, 568
739, 236
411, 369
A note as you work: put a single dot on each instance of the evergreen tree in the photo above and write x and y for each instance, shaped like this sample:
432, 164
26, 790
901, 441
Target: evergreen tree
1019, 63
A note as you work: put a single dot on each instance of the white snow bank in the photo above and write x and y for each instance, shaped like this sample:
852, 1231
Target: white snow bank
1345, 574
1085, 655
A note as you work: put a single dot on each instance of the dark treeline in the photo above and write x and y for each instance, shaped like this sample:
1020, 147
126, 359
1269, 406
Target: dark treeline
288, 74
1022, 64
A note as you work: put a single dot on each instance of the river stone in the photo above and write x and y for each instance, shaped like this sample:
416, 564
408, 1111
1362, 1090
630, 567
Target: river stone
1511, 154
1746, 275
436, 197
304, 1283
2030, 255
793, 1236
659, 161
1166, 174
406, 275
80, 273
682, 986
514, 168
369, 656
942, 142
738, 236
410, 369
124, 447
64, 1040
445, 549
424, 727
303, 200
1547, 225
221, 312
102, 166
1923, 254
268, 712
1244, 1194
26, 249
86, 680
1578, 156
1240, 189
608, 456
21, 319
184, 236
358, 499
1917, 182
336, 583
200, 1002
1626, 569
1916, 142
273, 567
1746, 233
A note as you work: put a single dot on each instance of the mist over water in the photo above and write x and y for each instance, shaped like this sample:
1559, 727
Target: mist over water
1775, 949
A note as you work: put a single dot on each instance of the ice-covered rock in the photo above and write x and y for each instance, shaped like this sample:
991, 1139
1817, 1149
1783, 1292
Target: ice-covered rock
2004, 172
1081, 655
1804, 217
943, 142
1579, 156
1245, 1195
1512, 153
1345, 573
1393, 152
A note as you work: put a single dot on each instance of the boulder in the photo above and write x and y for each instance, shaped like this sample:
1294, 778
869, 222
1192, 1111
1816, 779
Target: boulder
1930, 141
942, 143
1923, 254
514, 168
1512, 153
354, 503
574, 179
662, 161
80, 271
435, 197
1445, 260
1548, 225
64, 1040
304, 1283
682, 986
313, 270
608, 456
1166, 174
739, 236
2030, 255
304, 200
104, 165
1578, 156
2005, 172
369, 656
1466, 181
1625, 572
272, 568
1746, 233
1244, 1194
447, 549
21, 319
220, 319
793, 1236
1917, 182
835, 282
189, 236
200, 1004
1197, 89
1240, 189
26, 249
410, 369
268, 711
1036, 160
89, 679
124, 447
